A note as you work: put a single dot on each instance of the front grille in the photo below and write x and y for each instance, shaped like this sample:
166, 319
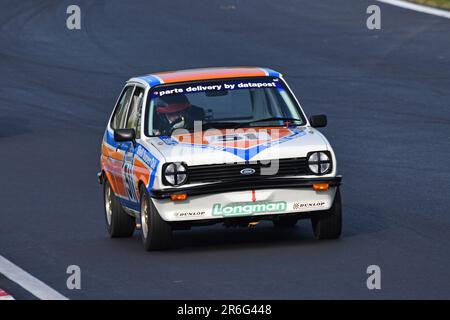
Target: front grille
232, 172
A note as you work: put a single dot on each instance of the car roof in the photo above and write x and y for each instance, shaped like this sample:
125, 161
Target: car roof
204, 74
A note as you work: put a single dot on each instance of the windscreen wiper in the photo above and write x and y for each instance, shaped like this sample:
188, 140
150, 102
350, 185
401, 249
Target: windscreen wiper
234, 125
275, 119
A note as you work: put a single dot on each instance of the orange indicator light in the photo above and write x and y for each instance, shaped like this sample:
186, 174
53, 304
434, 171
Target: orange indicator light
320, 186
178, 196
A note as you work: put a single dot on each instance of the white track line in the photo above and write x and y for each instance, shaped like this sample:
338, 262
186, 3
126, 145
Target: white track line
418, 7
35, 286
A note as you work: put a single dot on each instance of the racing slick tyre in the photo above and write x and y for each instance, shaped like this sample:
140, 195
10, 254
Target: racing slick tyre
285, 222
156, 233
329, 224
118, 223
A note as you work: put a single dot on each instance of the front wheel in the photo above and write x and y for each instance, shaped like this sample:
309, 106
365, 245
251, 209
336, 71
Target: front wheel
328, 225
156, 233
118, 222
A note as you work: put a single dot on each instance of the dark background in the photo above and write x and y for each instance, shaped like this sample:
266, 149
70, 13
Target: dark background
386, 93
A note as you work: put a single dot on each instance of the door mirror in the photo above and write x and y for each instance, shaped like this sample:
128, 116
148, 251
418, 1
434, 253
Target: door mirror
318, 121
122, 135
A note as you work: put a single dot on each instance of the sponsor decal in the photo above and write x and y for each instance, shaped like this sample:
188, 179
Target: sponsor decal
308, 204
147, 157
229, 85
150, 160
248, 208
189, 214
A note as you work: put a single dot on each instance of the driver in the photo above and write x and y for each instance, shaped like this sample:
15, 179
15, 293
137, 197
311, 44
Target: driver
172, 111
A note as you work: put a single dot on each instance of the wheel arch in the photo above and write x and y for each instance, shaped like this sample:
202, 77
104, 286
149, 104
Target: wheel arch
141, 185
106, 176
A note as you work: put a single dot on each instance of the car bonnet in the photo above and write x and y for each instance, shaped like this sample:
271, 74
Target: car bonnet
241, 145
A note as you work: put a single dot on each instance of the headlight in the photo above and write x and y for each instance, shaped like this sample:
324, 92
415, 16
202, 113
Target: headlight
319, 162
175, 173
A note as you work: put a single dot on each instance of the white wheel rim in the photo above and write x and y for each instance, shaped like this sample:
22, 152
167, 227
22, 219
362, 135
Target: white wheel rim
144, 218
108, 205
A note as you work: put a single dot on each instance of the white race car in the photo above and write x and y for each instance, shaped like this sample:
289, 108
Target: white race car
217, 145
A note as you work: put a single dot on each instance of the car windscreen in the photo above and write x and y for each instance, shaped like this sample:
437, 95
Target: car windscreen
220, 104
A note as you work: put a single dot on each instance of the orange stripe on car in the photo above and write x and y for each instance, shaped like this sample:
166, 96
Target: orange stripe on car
141, 172
209, 73
111, 152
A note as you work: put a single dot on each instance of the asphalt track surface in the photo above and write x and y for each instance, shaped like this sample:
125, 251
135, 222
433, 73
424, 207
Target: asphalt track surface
386, 93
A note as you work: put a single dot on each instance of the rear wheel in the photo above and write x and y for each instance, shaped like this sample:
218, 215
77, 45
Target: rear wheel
285, 222
329, 224
118, 222
156, 233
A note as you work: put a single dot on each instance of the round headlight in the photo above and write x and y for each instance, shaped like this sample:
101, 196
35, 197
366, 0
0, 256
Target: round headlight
319, 163
175, 173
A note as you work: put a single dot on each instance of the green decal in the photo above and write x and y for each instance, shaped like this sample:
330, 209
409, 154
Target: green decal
248, 208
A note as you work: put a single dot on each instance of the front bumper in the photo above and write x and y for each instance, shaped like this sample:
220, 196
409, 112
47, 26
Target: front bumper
248, 198
254, 184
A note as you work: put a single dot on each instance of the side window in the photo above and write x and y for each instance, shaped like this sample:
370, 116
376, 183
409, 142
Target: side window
118, 120
135, 109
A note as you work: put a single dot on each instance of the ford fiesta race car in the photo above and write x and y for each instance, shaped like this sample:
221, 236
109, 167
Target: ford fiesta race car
216, 145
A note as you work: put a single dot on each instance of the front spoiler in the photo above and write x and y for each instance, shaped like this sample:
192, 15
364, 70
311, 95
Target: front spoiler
220, 187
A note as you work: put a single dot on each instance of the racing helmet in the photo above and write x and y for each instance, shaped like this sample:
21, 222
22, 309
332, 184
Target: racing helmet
171, 104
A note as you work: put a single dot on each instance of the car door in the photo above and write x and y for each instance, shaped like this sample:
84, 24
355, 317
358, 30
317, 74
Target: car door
118, 121
132, 122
